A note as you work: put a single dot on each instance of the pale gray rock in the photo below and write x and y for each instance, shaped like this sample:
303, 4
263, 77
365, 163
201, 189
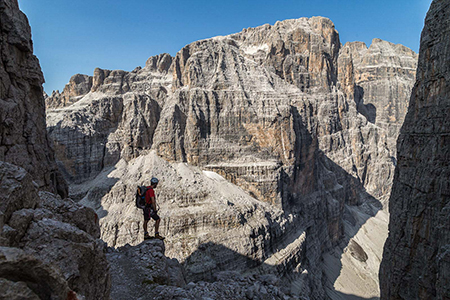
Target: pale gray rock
293, 119
78, 86
416, 258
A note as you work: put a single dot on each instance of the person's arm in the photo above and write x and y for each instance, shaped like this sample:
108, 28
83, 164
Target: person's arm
153, 203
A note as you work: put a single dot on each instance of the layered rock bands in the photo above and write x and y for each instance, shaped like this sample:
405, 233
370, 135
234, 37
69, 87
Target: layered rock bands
274, 146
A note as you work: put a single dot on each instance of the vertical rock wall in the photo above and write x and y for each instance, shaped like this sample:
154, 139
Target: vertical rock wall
49, 247
23, 134
416, 259
283, 111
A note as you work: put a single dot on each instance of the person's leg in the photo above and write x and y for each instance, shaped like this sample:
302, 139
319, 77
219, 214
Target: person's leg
145, 226
146, 219
157, 226
157, 221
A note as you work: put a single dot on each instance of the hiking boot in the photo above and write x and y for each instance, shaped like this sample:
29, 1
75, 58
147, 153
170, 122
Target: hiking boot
147, 237
157, 236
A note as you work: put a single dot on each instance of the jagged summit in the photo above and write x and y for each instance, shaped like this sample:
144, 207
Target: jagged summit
301, 129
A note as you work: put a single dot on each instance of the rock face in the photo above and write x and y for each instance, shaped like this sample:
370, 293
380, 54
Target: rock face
303, 127
143, 272
49, 247
45, 239
416, 259
24, 140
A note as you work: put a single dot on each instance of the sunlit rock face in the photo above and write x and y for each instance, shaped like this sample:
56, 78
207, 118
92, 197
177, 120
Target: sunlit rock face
276, 142
416, 259
49, 247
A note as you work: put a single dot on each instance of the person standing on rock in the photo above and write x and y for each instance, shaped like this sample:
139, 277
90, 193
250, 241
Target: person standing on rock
150, 210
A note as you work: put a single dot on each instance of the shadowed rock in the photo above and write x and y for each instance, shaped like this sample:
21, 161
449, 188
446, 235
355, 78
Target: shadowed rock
293, 119
416, 258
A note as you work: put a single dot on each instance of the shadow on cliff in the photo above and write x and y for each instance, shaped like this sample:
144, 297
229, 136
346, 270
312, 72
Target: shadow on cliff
330, 204
206, 263
313, 184
367, 110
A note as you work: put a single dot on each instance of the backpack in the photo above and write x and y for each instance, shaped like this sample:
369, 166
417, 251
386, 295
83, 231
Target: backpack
140, 199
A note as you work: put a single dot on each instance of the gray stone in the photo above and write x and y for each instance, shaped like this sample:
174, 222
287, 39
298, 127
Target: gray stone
270, 136
24, 140
12, 290
416, 259
50, 246
41, 279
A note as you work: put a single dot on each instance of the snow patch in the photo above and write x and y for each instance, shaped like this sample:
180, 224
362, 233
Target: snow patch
213, 175
251, 50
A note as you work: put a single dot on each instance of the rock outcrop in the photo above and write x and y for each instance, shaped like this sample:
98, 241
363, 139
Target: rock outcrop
144, 272
49, 247
416, 259
24, 140
305, 126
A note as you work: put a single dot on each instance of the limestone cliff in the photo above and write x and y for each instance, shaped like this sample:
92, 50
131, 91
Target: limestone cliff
49, 247
278, 136
23, 132
416, 259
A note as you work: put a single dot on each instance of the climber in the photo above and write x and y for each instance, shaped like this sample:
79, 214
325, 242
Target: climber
150, 210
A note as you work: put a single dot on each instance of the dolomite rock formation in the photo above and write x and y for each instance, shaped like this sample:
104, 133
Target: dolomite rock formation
24, 140
416, 259
49, 247
277, 136
143, 272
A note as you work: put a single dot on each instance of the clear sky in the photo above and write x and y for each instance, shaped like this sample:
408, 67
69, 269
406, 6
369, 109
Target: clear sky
73, 37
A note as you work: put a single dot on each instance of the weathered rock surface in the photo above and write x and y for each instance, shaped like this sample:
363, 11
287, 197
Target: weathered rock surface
304, 126
24, 140
144, 272
49, 235
49, 247
416, 259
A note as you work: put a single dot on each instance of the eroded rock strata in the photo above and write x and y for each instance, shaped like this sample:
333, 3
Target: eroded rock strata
49, 247
276, 142
416, 259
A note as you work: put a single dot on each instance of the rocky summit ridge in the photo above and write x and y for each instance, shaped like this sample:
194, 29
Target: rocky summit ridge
275, 147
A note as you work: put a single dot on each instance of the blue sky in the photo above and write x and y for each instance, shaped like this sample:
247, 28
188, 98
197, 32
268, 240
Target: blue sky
77, 36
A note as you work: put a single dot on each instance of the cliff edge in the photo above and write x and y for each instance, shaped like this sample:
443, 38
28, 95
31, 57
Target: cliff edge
416, 259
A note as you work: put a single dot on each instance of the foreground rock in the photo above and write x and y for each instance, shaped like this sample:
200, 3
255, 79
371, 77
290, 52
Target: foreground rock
276, 142
24, 140
416, 259
144, 272
49, 247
